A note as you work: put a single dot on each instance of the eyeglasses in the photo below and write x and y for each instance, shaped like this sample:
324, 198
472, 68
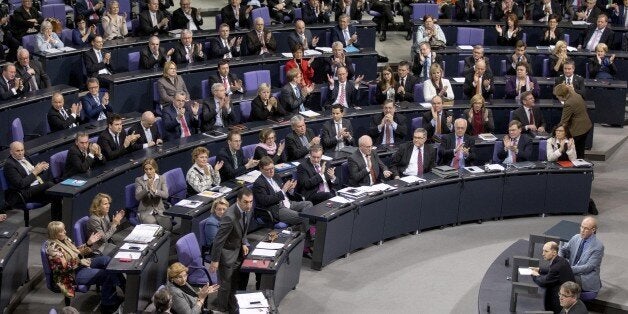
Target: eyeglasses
562, 295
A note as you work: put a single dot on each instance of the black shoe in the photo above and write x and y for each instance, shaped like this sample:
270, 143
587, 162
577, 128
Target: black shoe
409, 36
381, 59
382, 37
592, 208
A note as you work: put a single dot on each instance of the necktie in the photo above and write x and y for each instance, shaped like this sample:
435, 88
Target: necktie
30, 169
225, 82
569, 81
185, 131
11, 84
403, 82
531, 119
347, 36
514, 155
32, 81
626, 16
115, 138
90, 6
243, 221
235, 159
341, 142
260, 35
99, 55
439, 127
419, 162
579, 252
304, 41
153, 18
276, 188
371, 170
478, 89
321, 186
188, 51
63, 114
149, 135
304, 141
228, 54
386, 134
455, 163
341, 95
425, 71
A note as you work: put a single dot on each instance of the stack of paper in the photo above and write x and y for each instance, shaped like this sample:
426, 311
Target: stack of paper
264, 252
340, 199
493, 168
249, 177
252, 302
311, 53
269, 245
128, 255
487, 137
189, 203
310, 113
325, 49
143, 233
412, 179
211, 194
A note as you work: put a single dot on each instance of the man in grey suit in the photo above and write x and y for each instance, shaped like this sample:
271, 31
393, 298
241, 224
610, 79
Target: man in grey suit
585, 252
229, 249
302, 36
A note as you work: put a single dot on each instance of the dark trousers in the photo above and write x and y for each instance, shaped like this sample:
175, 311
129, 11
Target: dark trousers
37, 194
97, 274
320, 197
229, 279
385, 9
580, 142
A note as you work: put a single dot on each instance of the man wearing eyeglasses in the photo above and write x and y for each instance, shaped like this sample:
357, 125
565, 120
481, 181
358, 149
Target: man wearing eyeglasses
569, 297
552, 276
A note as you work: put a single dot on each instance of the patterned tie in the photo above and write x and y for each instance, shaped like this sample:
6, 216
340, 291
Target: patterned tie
455, 163
439, 127
321, 186
386, 134
185, 131
371, 170
531, 119
341, 142
189, 55
569, 81
63, 114
30, 169
341, 95
225, 82
419, 162
514, 155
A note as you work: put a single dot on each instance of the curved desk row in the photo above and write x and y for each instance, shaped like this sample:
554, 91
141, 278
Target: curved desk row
14, 241
439, 202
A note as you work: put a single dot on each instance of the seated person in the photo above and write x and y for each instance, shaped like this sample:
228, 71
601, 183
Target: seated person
282, 11
386, 87
185, 51
179, 119
71, 266
28, 182
47, 39
259, 40
219, 207
337, 132
235, 15
31, 71
552, 275
436, 85
569, 297
352, 8
517, 146
148, 131
598, 33
113, 23
11, 86
223, 47
414, 158
342, 91
298, 141
479, 117
558, 58
365, 167
329, 65
268, 146
511, 33
170, 83
316, 11
602, 67
100, 223
92, 10
520, 55
153, 21
265, 107
457, 148
153, 56
82, 156
388, 128
480, 81
478, 54
423, 61
97, 60
315, 178
185, 298
405, 90
302, 36
113, 141
150, 191
95, 103
60, 118
230, 80
502, 10
301, 64
187, 17
217, 111
552, 33
437, 121
469, 10
428, 33
82, 35
561, 147
522, 82
344, 32
384, 8
202, 176
25, 20
574, 81
234, 164
529, 115
294, 94
544, 9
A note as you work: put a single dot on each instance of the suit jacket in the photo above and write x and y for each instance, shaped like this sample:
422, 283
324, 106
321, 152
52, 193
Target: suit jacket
408, 94
77, 163
351, 93
289, 100
261, 152
6, 93
524, 149
489, 126
265, 196
538, 12
469, 89
399, 133
217, 49
427, 123
92, 109
92, 66
448, 146
588, 266
401, 158
171, 125
309, 15
511, 87
551, 278
139, 129
461, 13
259, 112
150, 202
575, 115
592, 16
520, 114
503, 40
359, 175
228, 17
180, 21
308, 180
227, 246
208, 115
180, 56
577, 81
103, 225
19, 181
607, 37
108, 146
417, 66
546, 41
254, 46
295, 150
41, 78
324, 66
294, 39
56, 121
469, 64
168, 89
146, 27
337, 35
231, 79
83, 9
499, 14
182, 300
619, 18
231, 169
20, 21
329, 138
577, 308
595, 67
355, 13
148, 61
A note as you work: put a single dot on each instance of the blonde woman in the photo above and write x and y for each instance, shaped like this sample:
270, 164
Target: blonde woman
437, 85
170, 83
46, 39
219, 207
558, 58
150, 190
479, 117
99, 222
113, 23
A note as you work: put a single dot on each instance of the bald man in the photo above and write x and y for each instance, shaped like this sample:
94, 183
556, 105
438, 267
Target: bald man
365, 167
456, 149
552, 276
60, 118
148, 131
303, 36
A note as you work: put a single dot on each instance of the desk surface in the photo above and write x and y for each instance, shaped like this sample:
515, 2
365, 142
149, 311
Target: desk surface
36, 96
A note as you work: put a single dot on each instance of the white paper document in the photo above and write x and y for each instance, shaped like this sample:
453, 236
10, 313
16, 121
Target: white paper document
143, 233
129, 255
287, 54
326, 158
311, 53
310, 113
458, 79
264, 252
426, 105
269, 245
525, 271
325, 49
249, 177
412, 179
134, 246
189, 203
465, 47
251, 301
67, 49
474, 169
340, 199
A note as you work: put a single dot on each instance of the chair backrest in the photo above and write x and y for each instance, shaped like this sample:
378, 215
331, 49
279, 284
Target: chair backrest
546, 66
212, 160
248, 151
189, 254
344, 173
524, 38
510, 114
417, 123
204, 89
470, 36
503, 67
418, 93
134, 61
80, 230
282, 74
218, 21
542, 150
4, 184
130, 204
177, 187
460, 67
297, 14
371, 94
261, 12
586, 70
499, 145
17, 132
419, 10
245, 110
566, 38
54, 10
201, 230
47, 271
254, 78
28, 42
66, 36
156, 96
57, 163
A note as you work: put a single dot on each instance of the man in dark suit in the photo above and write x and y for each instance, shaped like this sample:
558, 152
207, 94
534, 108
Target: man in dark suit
552, 276
180, 120
569, 297
469, 10
344, 33
405, 91
299, 141
236, 15
574, 81
97, 60
31, 71
303, 36
113, 141
504, 8
26, 181
186, 17
148, 131
388, 128
229, 249
619, 14
281, 11
337, 132
457, 149
469, 62
154, 56
343, 91
599, 33
186, 52
233, 160
223, 47
82, 156
414, 158
260, 40
229, 80
351, 8
329, 65
217, 111
437, 121
365, 167
423, 60
92, 10
153, 21
479, 81
95, 103
587, 12
520, 55
59, 118
529, 115
315, 11
315, 178
544, 8
10, 85
517, 146
292, 96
